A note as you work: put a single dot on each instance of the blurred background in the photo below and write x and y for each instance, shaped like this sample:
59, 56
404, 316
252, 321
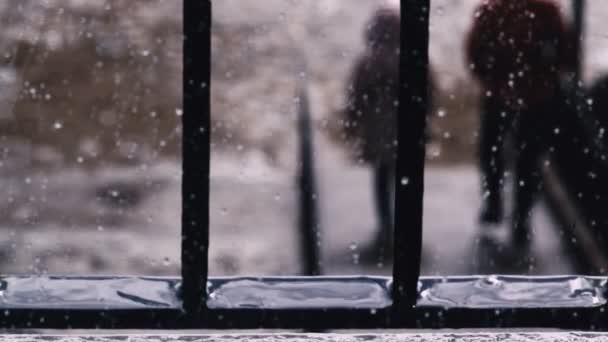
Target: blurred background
90, 164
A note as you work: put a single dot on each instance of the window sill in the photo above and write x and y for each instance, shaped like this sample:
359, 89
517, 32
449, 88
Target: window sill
568, 302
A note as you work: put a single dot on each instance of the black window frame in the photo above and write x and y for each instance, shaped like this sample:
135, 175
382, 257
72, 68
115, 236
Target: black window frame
404, 301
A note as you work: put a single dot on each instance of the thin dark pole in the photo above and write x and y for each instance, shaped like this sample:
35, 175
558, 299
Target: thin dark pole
309, 218
409, 183
578, 9
196, 155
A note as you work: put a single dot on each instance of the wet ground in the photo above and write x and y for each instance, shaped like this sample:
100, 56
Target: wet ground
126, 220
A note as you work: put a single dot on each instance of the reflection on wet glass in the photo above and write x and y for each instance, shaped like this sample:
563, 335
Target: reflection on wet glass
89, 151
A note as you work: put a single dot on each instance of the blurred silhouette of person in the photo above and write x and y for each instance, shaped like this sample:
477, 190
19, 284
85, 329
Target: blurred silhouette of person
517, 50
370, 118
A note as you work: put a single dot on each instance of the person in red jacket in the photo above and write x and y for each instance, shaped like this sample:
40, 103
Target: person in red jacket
518, 51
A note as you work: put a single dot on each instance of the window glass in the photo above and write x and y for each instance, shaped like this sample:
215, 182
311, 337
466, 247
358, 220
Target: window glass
264, 55
515, 166
90, 136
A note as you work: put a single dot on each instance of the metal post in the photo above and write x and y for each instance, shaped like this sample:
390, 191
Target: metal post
196, 156
409, 183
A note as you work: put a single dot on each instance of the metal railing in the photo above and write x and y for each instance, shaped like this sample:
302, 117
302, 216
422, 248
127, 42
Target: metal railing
404, 301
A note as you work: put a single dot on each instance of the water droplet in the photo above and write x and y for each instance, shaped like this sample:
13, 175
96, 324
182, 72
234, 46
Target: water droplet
405, 181
356, 258
57, 125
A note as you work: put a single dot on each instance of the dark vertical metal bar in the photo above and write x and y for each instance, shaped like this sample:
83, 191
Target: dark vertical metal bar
578, 10
409, 183
196, 155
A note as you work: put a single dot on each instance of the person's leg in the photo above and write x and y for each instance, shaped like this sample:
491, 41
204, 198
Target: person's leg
383, 184
493, 128
528, 178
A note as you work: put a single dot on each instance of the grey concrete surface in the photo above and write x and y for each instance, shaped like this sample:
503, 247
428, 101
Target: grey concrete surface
409, 337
